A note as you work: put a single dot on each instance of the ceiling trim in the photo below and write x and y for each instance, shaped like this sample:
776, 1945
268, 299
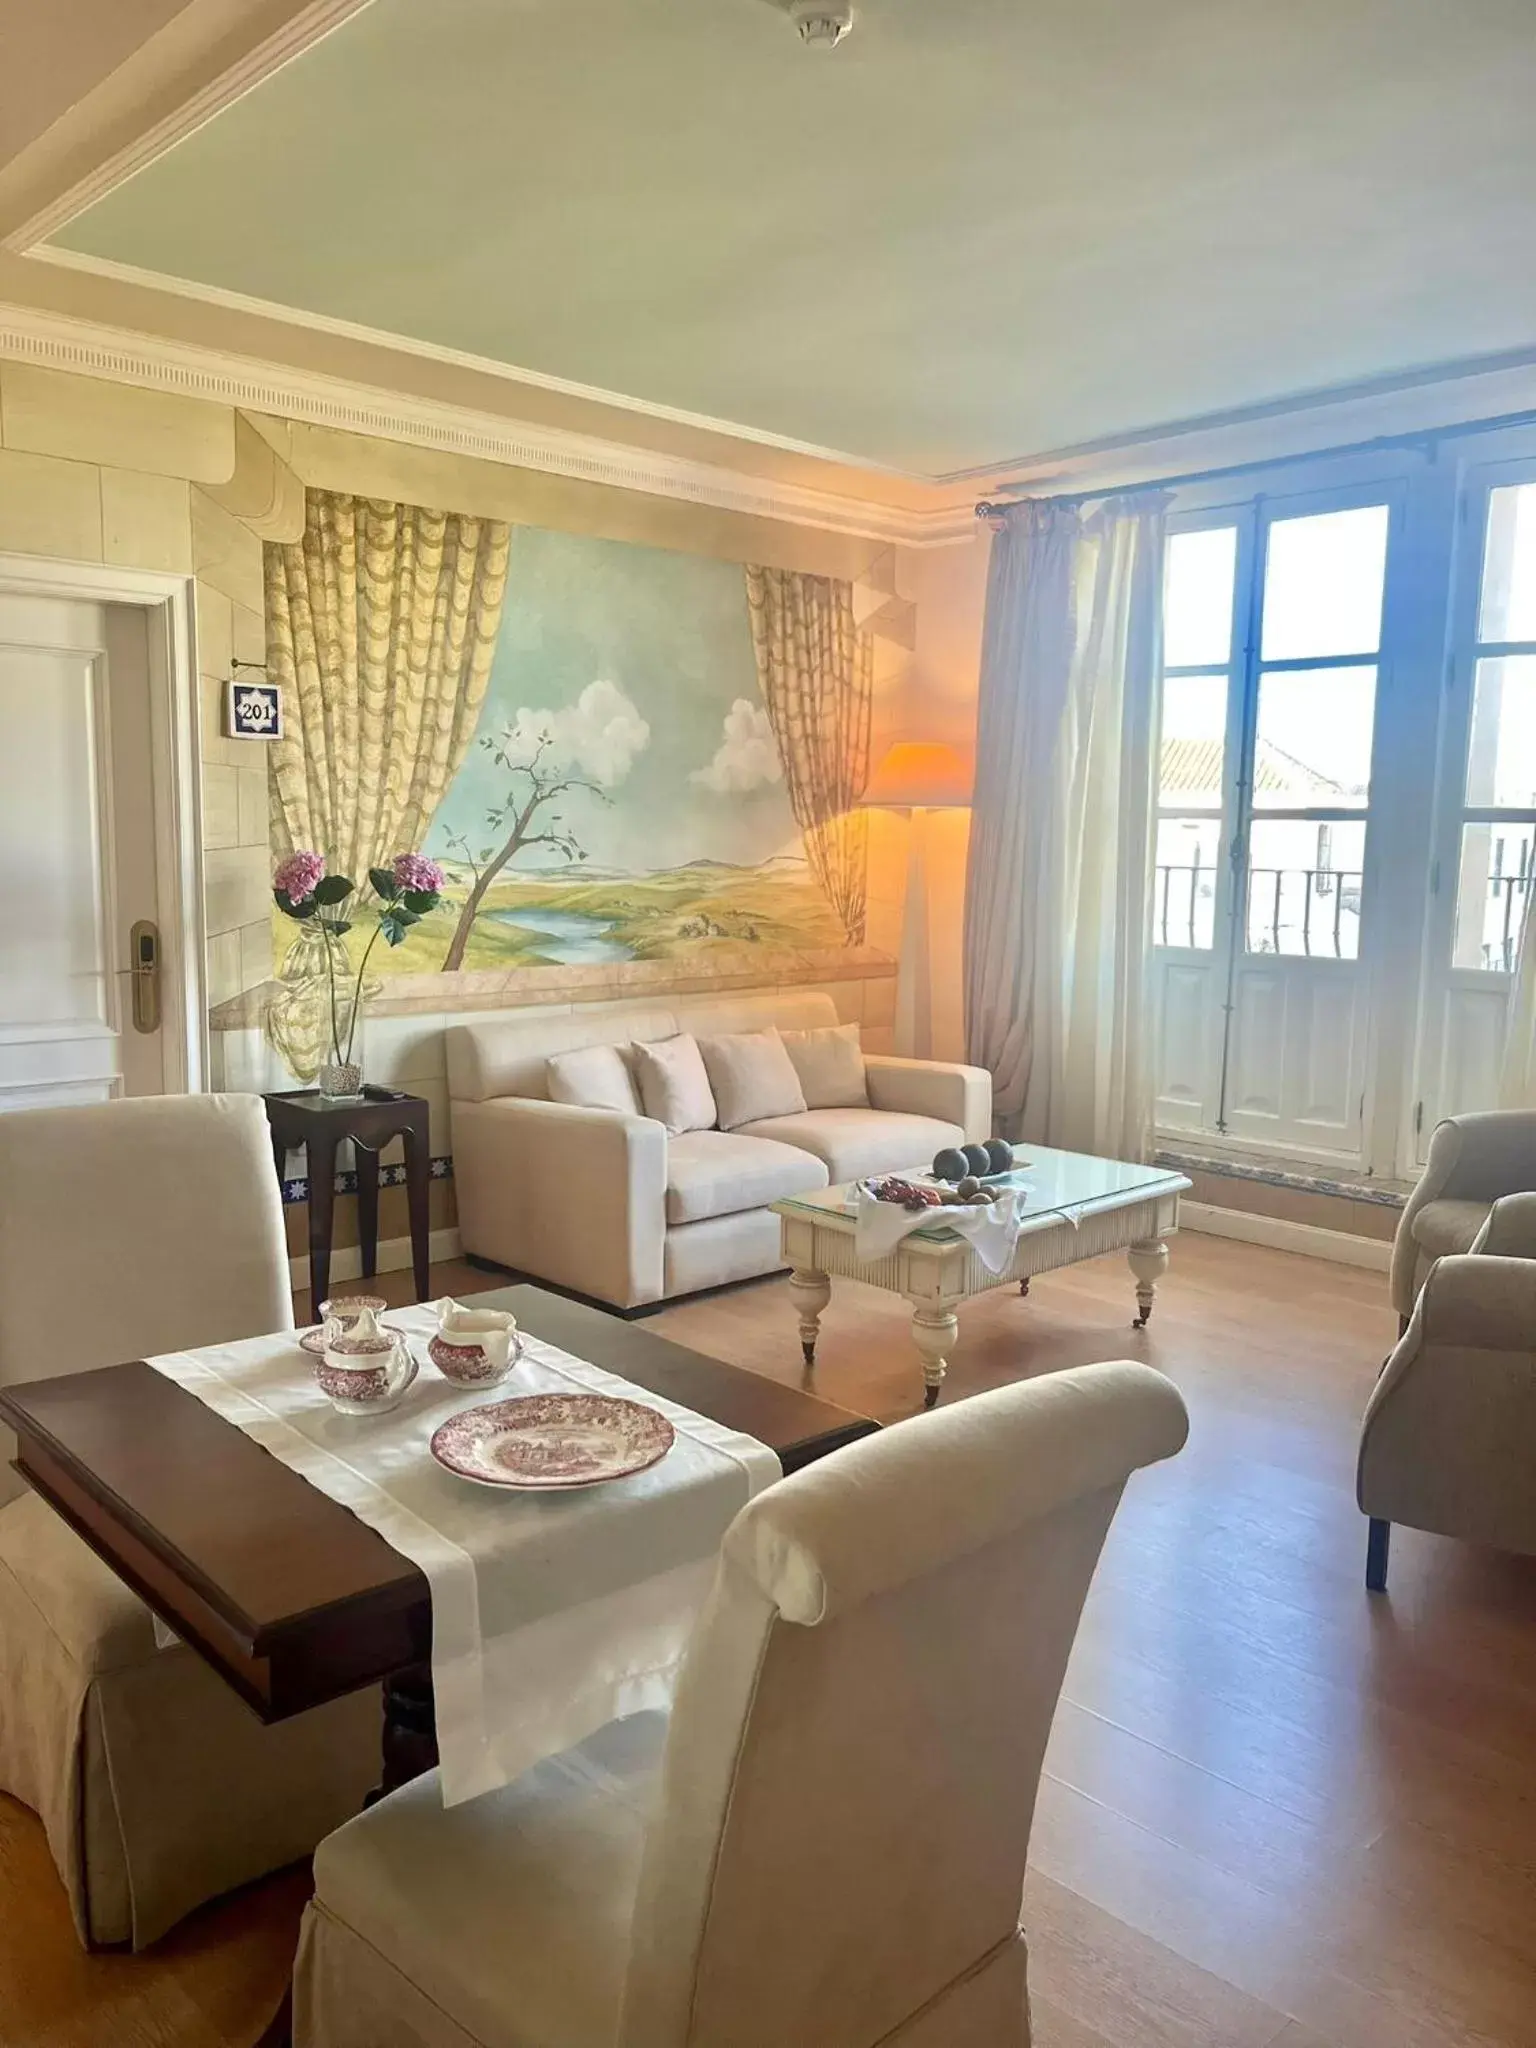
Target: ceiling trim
310, 26
460, 359
56, 341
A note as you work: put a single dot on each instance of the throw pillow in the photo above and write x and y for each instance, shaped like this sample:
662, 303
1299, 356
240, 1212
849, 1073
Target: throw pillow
674, 1087
593, 1077
751, 1075
830, 1065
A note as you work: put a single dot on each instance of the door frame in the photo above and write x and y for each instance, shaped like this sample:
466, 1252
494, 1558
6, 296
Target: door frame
168, 602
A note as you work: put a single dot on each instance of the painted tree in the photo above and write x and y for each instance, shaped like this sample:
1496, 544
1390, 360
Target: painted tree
535, 784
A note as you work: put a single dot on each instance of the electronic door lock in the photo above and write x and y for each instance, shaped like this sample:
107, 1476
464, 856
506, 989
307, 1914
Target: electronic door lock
144, 974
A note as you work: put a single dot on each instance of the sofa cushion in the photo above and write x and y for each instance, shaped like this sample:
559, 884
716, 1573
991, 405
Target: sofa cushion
592, 1077
851, 1143
1443, 1228
751, 1076
830, 1063
674, 1087
720, 1173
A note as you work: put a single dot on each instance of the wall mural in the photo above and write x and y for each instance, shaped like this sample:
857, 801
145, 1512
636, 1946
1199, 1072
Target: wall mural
663, 764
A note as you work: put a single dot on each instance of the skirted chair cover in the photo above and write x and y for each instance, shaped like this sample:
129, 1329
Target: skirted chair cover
130, 1229
826, 1846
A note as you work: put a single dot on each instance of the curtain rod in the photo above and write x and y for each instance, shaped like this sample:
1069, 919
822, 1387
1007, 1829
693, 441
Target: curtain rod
1426, 438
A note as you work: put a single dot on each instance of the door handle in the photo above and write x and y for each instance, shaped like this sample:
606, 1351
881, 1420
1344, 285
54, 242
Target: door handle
144, 971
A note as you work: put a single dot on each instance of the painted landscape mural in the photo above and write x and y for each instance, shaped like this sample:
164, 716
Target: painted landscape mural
664, 765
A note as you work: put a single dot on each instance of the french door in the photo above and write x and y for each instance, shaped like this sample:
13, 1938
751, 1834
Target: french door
1262, 914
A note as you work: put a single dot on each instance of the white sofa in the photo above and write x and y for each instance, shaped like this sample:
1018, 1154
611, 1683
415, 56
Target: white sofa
607, 1205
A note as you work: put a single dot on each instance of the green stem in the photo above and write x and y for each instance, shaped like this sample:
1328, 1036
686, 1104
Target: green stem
330, 970
358, 1000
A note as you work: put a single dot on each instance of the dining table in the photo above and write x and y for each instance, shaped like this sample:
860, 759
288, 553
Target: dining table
289, 1596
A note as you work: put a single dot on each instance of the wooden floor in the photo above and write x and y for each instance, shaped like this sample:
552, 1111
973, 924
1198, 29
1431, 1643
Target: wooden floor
1277, 1814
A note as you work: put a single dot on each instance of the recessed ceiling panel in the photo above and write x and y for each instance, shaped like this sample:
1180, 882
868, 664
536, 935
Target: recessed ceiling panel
977, 230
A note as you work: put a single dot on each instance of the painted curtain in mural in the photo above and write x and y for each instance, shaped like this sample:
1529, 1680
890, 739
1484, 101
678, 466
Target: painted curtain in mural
816, 670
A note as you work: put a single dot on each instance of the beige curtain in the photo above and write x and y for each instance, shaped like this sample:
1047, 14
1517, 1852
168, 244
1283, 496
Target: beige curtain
381, 627
816, 670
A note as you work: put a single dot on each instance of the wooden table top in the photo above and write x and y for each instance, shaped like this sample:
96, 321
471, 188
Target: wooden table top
282, 1589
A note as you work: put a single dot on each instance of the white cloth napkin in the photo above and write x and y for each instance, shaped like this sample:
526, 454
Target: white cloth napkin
552, 1613
992, 1228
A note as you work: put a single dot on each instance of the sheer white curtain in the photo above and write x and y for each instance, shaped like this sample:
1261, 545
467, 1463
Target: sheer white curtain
1059, 888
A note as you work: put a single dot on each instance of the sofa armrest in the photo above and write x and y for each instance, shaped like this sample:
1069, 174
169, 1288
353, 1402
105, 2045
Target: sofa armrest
564, 1193
955, 1094
1449, 1435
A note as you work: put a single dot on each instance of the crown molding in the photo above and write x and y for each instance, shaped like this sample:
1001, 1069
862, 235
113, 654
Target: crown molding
87, 348
302, 32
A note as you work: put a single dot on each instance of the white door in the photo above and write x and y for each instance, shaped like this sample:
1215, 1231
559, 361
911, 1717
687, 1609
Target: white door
80, 983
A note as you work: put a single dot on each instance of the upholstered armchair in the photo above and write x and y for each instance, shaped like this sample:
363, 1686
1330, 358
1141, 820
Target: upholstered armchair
827, 1846
1473, 1160
1449, 1438
129, 1229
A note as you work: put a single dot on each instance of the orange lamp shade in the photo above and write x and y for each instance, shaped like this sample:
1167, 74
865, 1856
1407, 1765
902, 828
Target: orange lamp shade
919, 775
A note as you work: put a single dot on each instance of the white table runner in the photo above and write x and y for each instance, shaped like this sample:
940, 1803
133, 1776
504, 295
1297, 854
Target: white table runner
551, 1613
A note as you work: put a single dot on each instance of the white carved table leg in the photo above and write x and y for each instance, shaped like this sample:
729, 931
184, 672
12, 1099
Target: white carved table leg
810, 1291
1148, 1262
935, 1332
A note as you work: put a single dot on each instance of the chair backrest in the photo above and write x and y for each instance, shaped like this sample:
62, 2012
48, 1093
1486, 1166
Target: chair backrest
130, 1228
857, 1738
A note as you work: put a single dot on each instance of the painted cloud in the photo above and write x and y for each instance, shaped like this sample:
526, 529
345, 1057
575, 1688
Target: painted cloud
601, 734
747, 756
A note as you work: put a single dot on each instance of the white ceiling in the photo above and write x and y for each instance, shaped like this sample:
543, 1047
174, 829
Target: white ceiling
980, 230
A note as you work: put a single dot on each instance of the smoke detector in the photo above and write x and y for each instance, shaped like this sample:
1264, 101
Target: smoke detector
822, 23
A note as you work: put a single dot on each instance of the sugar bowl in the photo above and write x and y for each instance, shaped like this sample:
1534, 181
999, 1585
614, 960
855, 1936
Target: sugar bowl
364, 1370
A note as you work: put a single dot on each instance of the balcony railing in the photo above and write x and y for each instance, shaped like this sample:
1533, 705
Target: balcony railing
1314, 913
1306, 913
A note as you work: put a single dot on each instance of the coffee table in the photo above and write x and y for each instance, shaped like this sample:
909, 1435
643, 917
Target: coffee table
1076, 1207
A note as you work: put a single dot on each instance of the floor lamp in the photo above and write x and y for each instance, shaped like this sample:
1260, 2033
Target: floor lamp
917, 776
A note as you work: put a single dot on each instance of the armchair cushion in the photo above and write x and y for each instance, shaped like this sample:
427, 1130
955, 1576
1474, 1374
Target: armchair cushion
851, 1143
720, 1173
1442, 1228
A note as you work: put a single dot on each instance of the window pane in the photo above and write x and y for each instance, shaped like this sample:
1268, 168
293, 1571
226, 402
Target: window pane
1492, 894
1323, 582
1313, 744
1184, 905
1501, 750
1197, 597
1194, 743
1304, 888
1509, 566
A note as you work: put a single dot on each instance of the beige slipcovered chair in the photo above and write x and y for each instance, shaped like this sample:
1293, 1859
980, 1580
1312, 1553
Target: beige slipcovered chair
826, 1847
1449, 1439
1473, 1160
125, 1230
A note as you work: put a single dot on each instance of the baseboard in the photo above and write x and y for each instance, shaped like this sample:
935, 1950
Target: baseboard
394, 1257
1343, 1247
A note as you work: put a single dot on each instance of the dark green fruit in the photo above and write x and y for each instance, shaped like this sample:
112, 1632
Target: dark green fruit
976, 1159
1000, 1152
950, 1164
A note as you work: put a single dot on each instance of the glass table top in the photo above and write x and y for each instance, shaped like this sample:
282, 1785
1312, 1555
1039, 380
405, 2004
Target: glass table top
1055, 1186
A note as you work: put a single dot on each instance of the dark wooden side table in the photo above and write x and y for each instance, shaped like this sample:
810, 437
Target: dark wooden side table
302, 1120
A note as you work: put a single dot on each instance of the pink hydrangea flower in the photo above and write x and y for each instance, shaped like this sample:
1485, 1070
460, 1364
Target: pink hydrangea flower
415, 872
297, 875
